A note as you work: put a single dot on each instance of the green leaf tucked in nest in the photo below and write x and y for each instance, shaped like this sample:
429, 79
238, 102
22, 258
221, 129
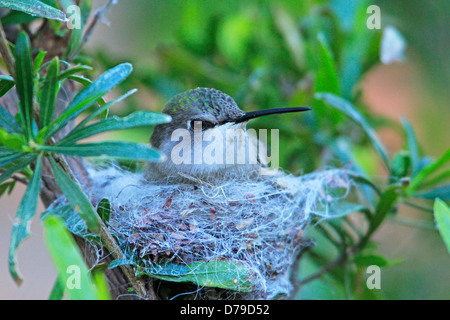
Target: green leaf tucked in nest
225, 274
104, 210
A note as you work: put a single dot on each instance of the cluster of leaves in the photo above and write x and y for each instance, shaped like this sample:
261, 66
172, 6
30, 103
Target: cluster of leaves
32, 136
265, 56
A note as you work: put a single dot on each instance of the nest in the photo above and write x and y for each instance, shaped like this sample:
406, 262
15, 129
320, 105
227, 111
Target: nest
236, 238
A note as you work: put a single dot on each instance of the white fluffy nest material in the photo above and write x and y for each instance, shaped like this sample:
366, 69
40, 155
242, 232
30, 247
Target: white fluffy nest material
257, 223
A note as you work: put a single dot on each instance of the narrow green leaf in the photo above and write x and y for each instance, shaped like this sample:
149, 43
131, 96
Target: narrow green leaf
346, 107
400, 164
104, 210
80, 79
7, 121
42, 67
71, 71
57, 292
326, 80
326, 77
291, 35
442, 216
428, 170
34, 8
412, 145
13, 141
7, 186
364, 181
24, 79
120, 262
442, 192
365, 260
58, 27
436, 180
136, 119
85, 10
100, 87
49, 92
26, 211
76, 198
101, 109
5, 152
38, 60
73, 273
10, 157
116, 149
343, 208
85, 82
6, 84
99, 279
384, 206
79, 16
89, 95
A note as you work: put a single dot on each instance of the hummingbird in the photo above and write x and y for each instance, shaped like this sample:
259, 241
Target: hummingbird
202, 120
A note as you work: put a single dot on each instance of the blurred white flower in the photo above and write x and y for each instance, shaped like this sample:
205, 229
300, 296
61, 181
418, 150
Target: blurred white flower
393, 46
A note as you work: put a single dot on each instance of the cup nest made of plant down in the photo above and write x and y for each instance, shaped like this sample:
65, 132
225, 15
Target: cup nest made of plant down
236, 239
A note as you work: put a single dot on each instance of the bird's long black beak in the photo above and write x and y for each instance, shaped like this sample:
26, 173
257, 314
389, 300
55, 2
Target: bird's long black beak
266, 112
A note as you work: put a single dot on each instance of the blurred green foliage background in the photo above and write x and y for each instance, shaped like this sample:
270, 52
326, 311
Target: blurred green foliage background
280, 53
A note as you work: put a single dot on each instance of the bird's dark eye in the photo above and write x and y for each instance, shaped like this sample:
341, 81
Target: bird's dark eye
205, 125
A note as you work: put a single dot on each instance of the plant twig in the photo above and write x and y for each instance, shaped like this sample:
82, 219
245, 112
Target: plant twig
296, 283
99, 15
341, 259
20, 179
6, 53
16, 178
110, 243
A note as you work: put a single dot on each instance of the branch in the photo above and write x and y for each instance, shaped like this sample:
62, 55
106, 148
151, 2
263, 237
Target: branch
6, 53
19, 179
99, 15
341, 259
293, 277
